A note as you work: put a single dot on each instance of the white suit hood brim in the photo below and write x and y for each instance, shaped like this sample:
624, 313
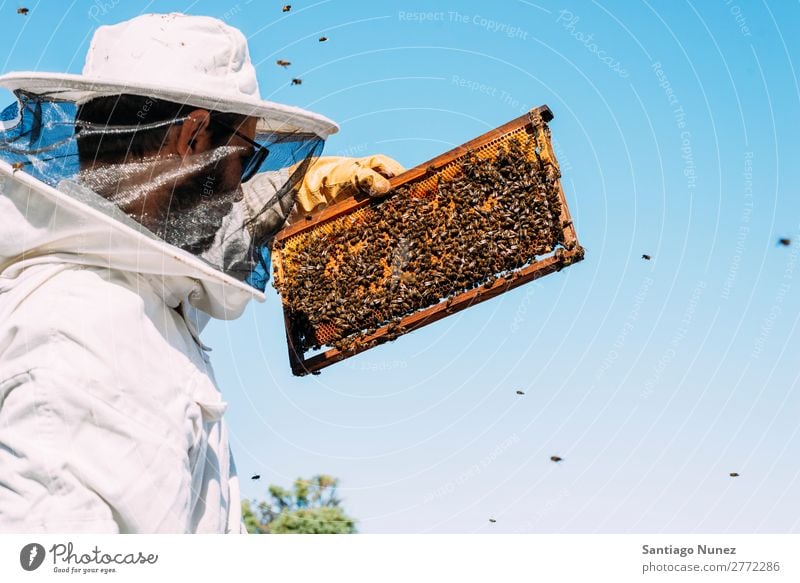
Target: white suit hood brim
273, 117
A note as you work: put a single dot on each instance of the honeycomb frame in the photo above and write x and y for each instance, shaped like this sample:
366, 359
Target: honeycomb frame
422, 179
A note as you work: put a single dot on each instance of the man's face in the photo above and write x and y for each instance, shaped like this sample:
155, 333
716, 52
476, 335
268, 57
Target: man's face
218, 165
232, 166
191, 213
184, 189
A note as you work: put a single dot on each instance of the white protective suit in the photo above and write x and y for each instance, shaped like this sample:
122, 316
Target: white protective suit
110, 418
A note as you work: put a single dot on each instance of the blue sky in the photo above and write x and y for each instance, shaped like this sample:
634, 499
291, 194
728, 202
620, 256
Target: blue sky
676, 125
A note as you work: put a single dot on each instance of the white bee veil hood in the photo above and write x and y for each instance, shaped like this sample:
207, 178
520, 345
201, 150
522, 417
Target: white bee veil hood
59, 204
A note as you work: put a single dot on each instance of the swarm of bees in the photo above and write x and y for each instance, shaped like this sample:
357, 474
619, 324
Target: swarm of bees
283, 63
416, 249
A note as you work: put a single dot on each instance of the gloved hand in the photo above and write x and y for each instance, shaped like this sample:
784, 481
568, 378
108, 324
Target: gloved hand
332, 178
328, 179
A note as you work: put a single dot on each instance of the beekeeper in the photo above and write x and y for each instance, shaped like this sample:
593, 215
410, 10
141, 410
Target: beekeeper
136, 201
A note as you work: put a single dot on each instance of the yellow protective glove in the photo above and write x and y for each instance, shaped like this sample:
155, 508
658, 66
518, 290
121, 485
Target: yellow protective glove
333, 178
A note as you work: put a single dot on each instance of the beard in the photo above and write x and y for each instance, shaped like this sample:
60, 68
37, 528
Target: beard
183, 204
196, 210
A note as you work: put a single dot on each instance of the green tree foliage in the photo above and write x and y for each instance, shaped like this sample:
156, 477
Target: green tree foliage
311, 507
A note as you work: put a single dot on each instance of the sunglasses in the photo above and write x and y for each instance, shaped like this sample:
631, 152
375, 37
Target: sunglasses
255, 160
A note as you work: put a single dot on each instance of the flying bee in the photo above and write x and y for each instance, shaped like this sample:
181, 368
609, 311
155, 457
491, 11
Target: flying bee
555, 458
522, 393
23, 11
255, 477
785, 241
734, 475
322, 39
282, 63
297, 81
646, 257
286, 8
492, 520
